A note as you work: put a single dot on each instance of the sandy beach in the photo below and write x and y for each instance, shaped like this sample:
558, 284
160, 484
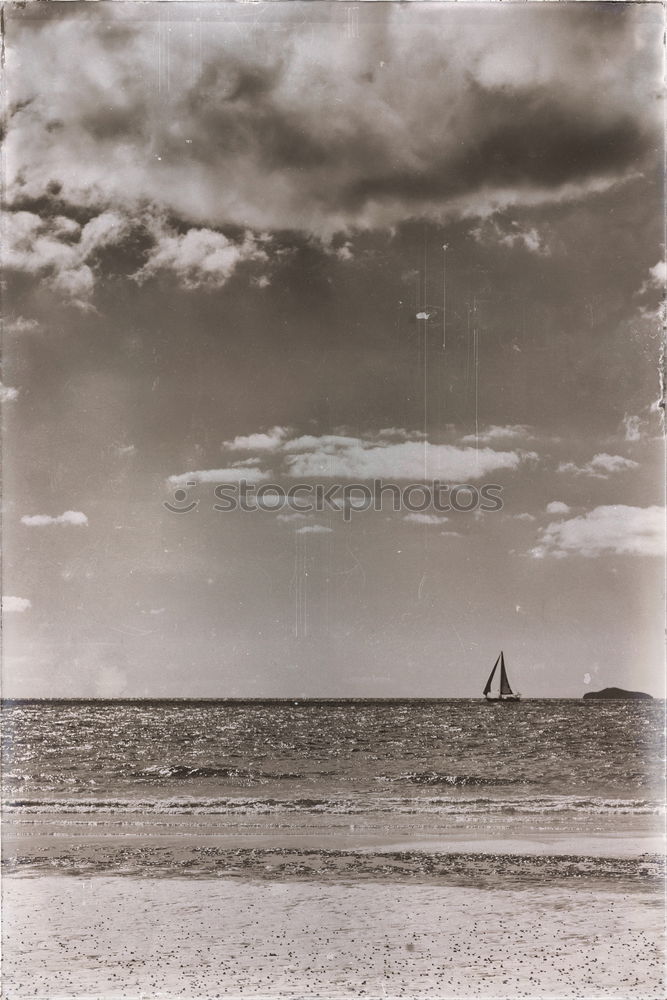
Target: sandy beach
126, 937
194, 906
182, 909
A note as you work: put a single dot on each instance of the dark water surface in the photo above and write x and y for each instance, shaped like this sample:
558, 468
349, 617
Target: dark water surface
440, 758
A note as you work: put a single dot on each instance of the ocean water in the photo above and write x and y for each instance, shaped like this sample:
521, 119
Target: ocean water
447, 764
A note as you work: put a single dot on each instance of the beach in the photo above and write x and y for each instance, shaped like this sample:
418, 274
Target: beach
125, 937
129, 910
266, 850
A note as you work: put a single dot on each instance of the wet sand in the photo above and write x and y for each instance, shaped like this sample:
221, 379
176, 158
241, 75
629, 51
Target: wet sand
201, 847
193, 906
126, 937
53, 833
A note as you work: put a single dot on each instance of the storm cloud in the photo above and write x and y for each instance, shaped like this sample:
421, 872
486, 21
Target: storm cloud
226, 117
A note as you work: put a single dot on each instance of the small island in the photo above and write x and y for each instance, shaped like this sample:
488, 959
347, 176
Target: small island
618, 694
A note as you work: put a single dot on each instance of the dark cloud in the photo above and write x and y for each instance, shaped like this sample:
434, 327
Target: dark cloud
290, 122
530, 138
517, 139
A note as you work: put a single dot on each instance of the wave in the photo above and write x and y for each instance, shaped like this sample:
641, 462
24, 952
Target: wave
184, 771
455, 780
161, 772
243, 805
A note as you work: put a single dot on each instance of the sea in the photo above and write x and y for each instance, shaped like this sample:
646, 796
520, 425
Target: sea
232, 787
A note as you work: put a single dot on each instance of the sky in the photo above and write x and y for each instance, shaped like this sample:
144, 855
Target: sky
322, 243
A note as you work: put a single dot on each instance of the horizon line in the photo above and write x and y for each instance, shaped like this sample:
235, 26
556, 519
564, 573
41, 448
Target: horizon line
292, 699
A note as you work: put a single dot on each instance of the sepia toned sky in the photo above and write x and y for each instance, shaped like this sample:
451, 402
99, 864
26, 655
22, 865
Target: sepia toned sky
224, 260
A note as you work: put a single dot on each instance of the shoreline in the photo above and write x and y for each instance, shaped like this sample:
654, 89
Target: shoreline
606, 864
166, 846
610, 845
632, 835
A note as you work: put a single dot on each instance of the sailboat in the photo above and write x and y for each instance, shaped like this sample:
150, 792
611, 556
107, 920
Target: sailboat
504, 692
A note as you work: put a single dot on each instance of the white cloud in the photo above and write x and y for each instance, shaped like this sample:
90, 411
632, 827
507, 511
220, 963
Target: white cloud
360, 459
417, 517
657, 277
313, 529
652, 294
327, 444
400, 434
600, 466
7, 393
59, 249
233, 474
344, 252
73, 517
390, 454
617, 530
658, 273
558, 507
508, 432
199, 258
62, 252
293, 516
20, 325
75, 283
511, 235
613, 463
15, 604
530, 238
524, 517
631, 426
269, 441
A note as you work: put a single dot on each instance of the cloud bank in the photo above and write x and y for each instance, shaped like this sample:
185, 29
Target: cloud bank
65, 255
234, 474
200, 258
600, 466
507, 432
391, 454
284, 121
608, 530
58, 249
